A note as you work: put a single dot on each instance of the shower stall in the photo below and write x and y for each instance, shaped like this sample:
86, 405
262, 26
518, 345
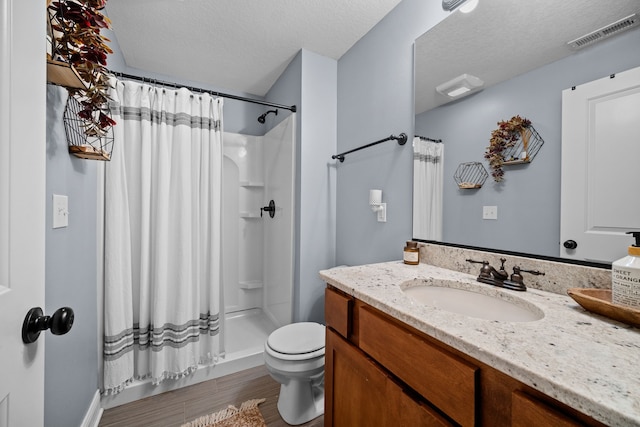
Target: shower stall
257, 254
258, 245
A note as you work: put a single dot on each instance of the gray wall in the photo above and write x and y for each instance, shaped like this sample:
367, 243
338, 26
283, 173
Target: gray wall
310, 83
528, 199
375, 100
317, 182
71, 360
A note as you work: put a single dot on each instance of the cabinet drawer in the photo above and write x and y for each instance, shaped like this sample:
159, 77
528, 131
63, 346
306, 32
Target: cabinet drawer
528, 411
337, 311
445, 380
359, 393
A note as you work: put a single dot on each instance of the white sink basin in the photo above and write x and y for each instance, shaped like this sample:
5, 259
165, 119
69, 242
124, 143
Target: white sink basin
483, 303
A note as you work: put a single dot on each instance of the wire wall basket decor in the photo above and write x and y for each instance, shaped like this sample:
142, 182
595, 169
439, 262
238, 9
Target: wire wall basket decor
76, 59
470, 175
97, 146
524, 149
59, 69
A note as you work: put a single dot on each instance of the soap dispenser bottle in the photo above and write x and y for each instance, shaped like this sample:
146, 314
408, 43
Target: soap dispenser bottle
625, 276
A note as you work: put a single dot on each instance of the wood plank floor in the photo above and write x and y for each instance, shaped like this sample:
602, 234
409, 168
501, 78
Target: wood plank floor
186, 404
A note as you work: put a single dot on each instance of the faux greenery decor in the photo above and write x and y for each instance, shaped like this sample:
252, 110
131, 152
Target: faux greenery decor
505, 136
76, 39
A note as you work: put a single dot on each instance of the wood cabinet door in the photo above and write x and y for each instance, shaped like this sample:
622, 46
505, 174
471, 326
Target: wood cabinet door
359, 393
527, 411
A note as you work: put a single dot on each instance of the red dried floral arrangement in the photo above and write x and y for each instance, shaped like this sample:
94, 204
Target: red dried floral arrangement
505, 136
76, 26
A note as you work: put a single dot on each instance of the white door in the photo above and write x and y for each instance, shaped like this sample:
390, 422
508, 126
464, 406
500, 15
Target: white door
22, 205
600, 161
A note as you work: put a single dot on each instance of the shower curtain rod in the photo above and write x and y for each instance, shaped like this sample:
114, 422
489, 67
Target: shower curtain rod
424, 138
402, 139
291, 108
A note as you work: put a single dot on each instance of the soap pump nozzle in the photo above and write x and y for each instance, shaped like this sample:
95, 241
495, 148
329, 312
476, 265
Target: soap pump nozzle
634, 250
636, 236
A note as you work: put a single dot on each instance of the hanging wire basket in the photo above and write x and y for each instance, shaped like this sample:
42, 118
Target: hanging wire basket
76, 59
82, 144
60, 72
525, 148
470, 175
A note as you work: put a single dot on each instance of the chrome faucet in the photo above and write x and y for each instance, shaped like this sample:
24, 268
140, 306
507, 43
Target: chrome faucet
500, 278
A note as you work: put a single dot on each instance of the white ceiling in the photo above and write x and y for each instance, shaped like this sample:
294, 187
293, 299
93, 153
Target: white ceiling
241, 45
501, 39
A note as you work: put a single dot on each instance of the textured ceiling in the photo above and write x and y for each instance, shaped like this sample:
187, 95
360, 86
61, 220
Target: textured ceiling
501, 39
241, 45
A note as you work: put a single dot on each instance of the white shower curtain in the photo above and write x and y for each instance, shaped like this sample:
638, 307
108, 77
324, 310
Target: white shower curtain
162, 235
428, 160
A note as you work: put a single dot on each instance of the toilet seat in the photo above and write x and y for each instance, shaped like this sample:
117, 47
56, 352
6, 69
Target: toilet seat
297, 338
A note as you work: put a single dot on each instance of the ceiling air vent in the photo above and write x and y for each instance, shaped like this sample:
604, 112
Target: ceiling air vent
604, 32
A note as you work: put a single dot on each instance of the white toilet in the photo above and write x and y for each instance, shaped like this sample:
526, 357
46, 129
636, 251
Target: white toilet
294, 356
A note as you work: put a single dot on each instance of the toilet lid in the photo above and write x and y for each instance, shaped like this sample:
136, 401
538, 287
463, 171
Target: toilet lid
297, 338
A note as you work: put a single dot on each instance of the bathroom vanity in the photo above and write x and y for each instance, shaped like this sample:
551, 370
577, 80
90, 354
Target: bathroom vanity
393, 360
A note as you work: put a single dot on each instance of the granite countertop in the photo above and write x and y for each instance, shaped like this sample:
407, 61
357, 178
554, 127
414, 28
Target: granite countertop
584, 360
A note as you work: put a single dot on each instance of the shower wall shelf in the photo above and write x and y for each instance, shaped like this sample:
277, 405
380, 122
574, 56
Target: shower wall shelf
248, 184
250, 284
250, 215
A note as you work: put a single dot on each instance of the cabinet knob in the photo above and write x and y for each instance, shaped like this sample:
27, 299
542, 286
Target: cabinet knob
35, 321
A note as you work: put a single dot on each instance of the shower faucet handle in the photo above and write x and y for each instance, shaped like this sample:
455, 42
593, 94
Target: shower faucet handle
271, 209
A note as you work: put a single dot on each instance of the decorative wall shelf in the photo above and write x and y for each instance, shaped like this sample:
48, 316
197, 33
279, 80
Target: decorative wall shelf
76, 59
81, 145
63, 74
470, 175
525, 149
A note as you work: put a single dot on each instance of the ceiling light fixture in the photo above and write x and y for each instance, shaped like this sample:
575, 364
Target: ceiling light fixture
468, 6
460, 86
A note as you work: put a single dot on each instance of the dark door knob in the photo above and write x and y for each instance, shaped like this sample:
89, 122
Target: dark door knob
35, 321
570, 244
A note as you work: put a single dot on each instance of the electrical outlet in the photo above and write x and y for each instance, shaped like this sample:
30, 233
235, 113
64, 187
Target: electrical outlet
382, 213
489, 212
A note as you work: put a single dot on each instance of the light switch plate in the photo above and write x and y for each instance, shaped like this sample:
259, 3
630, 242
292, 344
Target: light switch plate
489, 212
60, 211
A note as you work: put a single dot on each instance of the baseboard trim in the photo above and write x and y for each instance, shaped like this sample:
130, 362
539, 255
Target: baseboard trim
94, 413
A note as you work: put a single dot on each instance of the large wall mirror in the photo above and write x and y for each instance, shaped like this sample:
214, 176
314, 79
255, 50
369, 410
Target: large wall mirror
520, 50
